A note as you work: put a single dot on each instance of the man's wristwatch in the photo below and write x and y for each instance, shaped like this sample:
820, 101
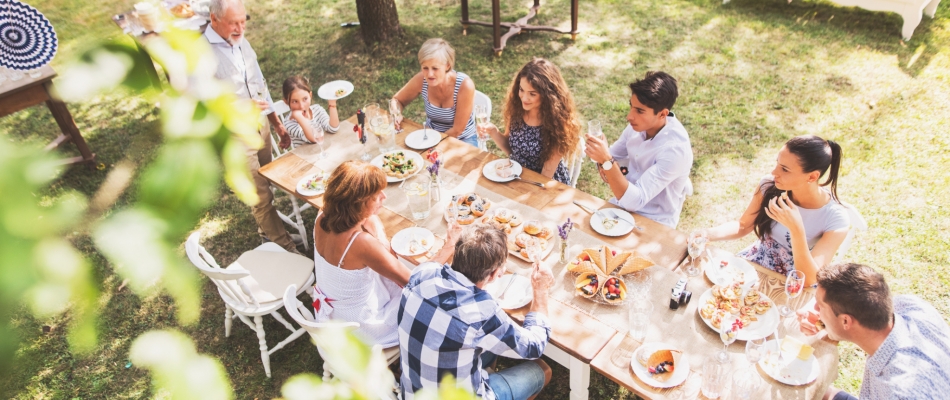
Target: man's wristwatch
607, 165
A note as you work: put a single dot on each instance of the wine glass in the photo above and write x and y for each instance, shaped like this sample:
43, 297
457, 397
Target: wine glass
482, 118
396, 111
595, 129
728, 330
754, 350
318, 139
452, 211
794, 285
696, 245
534, 250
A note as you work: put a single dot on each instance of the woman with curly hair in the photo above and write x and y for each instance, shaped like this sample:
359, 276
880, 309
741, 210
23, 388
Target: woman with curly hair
541, 124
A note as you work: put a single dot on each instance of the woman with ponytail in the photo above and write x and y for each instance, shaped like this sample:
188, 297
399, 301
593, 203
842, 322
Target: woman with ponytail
797, 218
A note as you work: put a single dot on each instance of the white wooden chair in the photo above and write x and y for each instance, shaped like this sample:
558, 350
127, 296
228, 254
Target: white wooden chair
302, 315
294, 219
251, 287
857, 224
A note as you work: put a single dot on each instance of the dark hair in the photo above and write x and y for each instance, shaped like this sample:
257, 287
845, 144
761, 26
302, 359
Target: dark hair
560, 130
294, 83
480, 250
349, 188
813, 154
656, 90
859, 291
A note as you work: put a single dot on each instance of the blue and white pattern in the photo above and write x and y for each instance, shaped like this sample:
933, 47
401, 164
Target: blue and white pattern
27, 39
769, 253
914, 360
442, 119
525, 143
446, 324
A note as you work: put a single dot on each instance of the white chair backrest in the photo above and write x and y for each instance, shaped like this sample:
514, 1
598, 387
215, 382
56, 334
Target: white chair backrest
481, 99
283, 111
300, 313
229, 281
857, 224
575, 163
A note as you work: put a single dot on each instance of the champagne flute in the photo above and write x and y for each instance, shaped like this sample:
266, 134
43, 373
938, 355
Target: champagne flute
728, 330
696, 244
595, 129
396, 111
754, 350
794, 285
318, 139
534, 250
452, 211
482, 118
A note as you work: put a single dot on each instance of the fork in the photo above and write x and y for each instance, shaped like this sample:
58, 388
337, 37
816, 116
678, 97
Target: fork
538, 184
425, 130
504, 292
613, 214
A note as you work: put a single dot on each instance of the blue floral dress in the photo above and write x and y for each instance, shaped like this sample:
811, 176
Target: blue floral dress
525, 143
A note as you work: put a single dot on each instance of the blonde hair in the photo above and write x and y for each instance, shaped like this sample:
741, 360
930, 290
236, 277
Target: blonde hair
437, 49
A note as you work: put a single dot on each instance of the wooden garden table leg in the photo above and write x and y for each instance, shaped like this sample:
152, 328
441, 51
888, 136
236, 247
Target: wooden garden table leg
496, 25
464, 17
573, 19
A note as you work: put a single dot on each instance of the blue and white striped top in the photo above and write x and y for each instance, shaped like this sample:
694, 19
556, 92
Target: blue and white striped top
442, 119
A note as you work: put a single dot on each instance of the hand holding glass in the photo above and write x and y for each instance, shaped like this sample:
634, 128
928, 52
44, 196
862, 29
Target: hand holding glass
395, 109
482, 119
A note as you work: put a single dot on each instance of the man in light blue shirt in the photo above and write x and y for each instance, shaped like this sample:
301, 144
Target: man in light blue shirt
647, 169
907, 340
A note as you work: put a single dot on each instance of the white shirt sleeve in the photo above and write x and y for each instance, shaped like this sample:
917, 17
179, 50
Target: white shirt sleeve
671, 163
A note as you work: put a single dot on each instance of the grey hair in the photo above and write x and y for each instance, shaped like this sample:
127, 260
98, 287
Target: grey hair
220, 7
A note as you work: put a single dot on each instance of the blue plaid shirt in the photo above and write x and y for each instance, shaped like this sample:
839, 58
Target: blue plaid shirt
446, 323
914, 360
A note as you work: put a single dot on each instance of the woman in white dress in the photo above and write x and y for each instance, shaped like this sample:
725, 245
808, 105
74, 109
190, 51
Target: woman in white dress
359, 278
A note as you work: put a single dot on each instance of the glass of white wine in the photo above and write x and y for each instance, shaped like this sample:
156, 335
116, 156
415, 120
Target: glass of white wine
695, 246
482, 118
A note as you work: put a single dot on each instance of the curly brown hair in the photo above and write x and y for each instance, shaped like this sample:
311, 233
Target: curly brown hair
560, 129
350, 187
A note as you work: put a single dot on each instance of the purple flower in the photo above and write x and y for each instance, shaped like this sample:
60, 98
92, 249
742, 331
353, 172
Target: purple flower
565, 229
434, 167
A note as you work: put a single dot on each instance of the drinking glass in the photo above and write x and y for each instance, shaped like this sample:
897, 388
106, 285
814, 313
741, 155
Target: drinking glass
754, 350
640, 311
744, 386
534, 250
713, 375
14, 75
417, 191
318, 139
396, 111
728, 330
482, 118
34, 73
696, 245
794, 285
642, 282
452, 211
385, 132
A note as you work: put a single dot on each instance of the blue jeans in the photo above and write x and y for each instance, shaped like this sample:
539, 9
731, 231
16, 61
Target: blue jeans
842, 395
516, 383
472, 140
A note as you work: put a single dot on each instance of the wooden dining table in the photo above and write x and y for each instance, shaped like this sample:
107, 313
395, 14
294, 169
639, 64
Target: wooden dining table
584, 333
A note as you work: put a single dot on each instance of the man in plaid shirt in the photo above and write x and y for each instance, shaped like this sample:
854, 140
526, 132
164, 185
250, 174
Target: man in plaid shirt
448, 325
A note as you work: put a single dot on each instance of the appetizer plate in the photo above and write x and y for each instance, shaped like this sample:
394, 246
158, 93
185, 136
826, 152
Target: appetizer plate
515, 250
412, 241
423, 139
305, 190
791, 370
420, 164
489, 170
680, 372
518, 295
764, 327
329, 90
623, 225
736, 268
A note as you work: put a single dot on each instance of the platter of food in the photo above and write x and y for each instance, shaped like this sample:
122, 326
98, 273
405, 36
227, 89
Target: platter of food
335, 90
598, 273
529, 233
471, 207
399, 164
753, 308
313, 184
412, 241
659, 365
726, 269
502, 170
792, 362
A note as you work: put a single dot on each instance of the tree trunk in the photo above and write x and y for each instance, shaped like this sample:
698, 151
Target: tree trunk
379, 20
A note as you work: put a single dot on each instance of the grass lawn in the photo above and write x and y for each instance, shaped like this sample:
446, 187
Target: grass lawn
752, 74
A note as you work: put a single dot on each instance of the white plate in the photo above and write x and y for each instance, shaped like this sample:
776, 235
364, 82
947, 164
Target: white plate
519, 294
757, 329
420, 164
328, 90
304, 191
680, 372
792, 370
401, 240
622, 228
489, 171
414, 140
725, 276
